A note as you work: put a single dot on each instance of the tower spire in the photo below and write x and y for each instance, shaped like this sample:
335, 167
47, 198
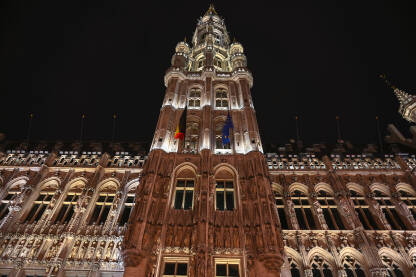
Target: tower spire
407, 101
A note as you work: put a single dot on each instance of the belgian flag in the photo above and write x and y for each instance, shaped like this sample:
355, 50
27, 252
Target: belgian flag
181, 127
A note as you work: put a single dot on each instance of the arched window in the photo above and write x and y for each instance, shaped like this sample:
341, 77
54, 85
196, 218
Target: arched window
103, 204
224, 191
12, 193
218, 138
320, 268
218, 63
330, 211
362, 209
127, 206
303, 210
192, 137
200, 63
221, 98
392, 267
184, 194
194, 99
280, 205
352, 267
67, 209
294, 268
389, 211
41, 203
410, 200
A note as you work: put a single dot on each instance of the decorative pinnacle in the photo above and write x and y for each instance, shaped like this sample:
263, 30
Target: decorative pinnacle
211, 10
401, 95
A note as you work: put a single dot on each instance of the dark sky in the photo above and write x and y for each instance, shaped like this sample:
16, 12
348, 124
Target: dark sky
317, 59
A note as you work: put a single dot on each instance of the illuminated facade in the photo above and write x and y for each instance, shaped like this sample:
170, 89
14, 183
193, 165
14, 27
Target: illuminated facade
199, 207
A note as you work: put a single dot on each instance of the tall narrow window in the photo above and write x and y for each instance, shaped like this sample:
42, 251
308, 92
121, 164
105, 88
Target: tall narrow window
330, 211
39, 206
218, 63
303, 210
352, 267
192, 137
226, 268
218, 137
320, 268
184, 195
294, 268
280, 205
194, 99
67, 208
389, 211
221, 98
102, 208
224, 192
5, 202
362, 208
392, 267
409, 200
175, 269
127, 208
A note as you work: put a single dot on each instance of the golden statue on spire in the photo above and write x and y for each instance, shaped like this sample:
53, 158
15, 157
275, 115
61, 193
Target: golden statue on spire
211, 10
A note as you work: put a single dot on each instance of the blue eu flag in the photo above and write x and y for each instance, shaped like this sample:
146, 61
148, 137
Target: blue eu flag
226, 129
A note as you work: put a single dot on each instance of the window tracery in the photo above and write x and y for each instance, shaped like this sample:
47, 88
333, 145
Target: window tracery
352, 267
392, 267
194, 98
221, 98
320, 267
303, 210
330, 211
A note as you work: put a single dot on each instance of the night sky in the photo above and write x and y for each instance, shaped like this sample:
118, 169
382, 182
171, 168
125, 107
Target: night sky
315, 59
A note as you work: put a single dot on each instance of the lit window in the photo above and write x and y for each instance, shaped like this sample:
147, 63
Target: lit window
194, 99
330, 211
184, 195
303, 210
102, 208
67, 208
221, 98
5, 202
39, 206
127, 208
281, 210
227, 268
362, 208
175, 269
224, 192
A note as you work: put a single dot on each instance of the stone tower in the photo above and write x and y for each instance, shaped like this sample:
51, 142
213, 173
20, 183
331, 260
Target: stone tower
205, 208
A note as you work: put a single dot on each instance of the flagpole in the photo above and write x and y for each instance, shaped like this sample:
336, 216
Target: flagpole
338, 128
114, 127
380, 142
29, 126
81, 133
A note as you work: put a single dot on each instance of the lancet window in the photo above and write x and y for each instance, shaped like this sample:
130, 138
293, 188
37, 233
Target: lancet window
294, 268
39, 205
192, 137
218, 63
362, 208
221, 98
410, 200
393, 269
218, 137
67, 209
127, 207
6, 201
352, 267
224, 192
303, 210
389, 211
330, 211
280, 206
194, 99
184, 194
103, 205
320, 268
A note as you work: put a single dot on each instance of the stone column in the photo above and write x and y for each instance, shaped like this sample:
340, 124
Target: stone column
291, 212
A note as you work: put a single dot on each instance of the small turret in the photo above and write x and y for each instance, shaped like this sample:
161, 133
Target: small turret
407, 101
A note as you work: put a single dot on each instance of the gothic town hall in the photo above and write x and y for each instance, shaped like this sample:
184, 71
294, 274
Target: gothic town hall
200, 203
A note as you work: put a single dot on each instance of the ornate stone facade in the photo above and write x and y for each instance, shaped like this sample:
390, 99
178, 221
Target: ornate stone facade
201, 206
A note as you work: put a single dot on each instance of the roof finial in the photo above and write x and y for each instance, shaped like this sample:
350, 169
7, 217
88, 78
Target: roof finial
211, 10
